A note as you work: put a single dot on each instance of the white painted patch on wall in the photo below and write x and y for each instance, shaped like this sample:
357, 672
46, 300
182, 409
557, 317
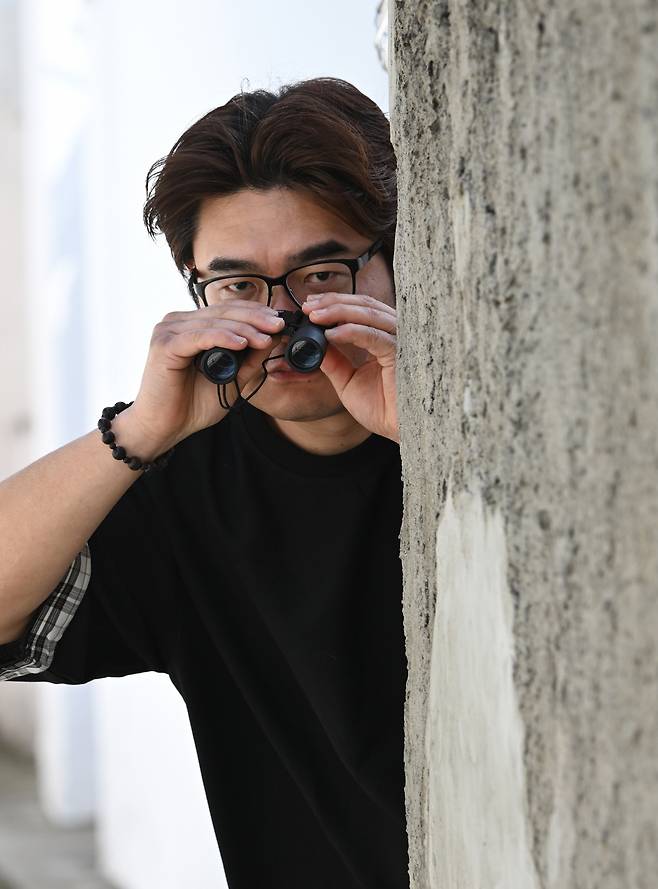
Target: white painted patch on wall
477, 825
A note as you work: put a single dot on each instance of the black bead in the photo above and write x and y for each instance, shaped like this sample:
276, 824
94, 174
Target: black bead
118, 452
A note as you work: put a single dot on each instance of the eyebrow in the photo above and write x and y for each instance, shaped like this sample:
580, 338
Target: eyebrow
322, 250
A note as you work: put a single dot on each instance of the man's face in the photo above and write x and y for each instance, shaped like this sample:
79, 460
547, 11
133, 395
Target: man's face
267, 228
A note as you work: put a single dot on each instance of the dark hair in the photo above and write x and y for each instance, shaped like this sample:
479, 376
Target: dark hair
322, 136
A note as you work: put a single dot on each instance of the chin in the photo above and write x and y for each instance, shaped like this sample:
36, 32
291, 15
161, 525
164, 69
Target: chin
298, 406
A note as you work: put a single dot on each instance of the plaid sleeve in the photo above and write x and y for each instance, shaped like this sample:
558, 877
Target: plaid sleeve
37, 645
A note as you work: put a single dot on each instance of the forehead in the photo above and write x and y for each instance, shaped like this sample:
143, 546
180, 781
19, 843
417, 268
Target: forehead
266, 225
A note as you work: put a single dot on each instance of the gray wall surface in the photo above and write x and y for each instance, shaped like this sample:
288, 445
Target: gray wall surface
527, 281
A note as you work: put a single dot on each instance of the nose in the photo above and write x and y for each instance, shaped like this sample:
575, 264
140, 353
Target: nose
281, 299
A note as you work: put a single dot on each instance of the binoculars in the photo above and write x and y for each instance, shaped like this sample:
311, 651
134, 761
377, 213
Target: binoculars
304, 353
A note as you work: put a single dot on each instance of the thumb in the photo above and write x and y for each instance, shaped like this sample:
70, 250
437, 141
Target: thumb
337, 368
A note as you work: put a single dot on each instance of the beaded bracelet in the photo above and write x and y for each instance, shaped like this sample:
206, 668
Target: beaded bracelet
119, 453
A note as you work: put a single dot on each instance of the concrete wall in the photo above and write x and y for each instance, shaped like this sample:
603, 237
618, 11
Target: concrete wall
527, 280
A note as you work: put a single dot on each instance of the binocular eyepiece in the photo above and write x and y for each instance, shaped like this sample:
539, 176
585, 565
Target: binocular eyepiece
304, 353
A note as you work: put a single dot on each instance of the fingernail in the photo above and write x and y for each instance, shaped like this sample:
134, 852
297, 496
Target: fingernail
313, 298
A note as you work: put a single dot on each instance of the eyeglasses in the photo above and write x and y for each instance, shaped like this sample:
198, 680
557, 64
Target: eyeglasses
324, 276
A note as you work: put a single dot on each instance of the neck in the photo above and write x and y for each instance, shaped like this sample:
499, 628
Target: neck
325, 437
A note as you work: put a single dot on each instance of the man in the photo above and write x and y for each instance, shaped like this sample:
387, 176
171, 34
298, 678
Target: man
259, 568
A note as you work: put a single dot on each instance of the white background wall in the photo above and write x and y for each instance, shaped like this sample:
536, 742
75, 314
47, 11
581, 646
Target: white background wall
107, 87
16, 705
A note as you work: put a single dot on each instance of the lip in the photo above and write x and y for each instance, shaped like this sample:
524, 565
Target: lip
281, 366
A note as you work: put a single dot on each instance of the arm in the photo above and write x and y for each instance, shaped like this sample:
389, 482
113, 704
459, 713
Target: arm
50, 509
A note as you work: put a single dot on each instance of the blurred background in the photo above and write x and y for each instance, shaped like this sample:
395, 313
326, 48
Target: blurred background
99, 784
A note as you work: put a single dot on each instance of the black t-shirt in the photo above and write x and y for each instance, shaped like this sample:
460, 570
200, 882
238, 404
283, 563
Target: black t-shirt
266, 581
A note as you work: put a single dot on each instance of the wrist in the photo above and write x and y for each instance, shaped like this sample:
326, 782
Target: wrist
136, 441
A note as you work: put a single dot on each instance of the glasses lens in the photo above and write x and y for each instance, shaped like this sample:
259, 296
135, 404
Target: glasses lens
242, 287
330, 277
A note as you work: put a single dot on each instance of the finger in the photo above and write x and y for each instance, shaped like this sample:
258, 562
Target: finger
259, 318
362, 299
377, 342
256, 339
368, 316
178, 350
338, 369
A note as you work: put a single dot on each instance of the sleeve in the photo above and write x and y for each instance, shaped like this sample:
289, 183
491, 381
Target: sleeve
34, 651
111, 613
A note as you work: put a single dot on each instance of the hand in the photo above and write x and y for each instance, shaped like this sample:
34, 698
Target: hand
174, 399
364, 383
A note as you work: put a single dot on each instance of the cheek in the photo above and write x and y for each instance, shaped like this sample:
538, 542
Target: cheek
378, 282
390, 294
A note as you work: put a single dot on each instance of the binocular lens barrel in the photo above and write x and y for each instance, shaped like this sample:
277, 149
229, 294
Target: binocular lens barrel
304, 352
306, 348
219, 365
305, 355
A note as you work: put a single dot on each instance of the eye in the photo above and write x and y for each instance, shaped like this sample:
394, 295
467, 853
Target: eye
240, 286
320, 277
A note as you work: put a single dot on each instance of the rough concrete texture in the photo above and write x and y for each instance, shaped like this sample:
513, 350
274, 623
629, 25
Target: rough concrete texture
527, 281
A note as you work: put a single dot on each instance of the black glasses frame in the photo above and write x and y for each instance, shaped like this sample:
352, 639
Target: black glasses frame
354, 265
